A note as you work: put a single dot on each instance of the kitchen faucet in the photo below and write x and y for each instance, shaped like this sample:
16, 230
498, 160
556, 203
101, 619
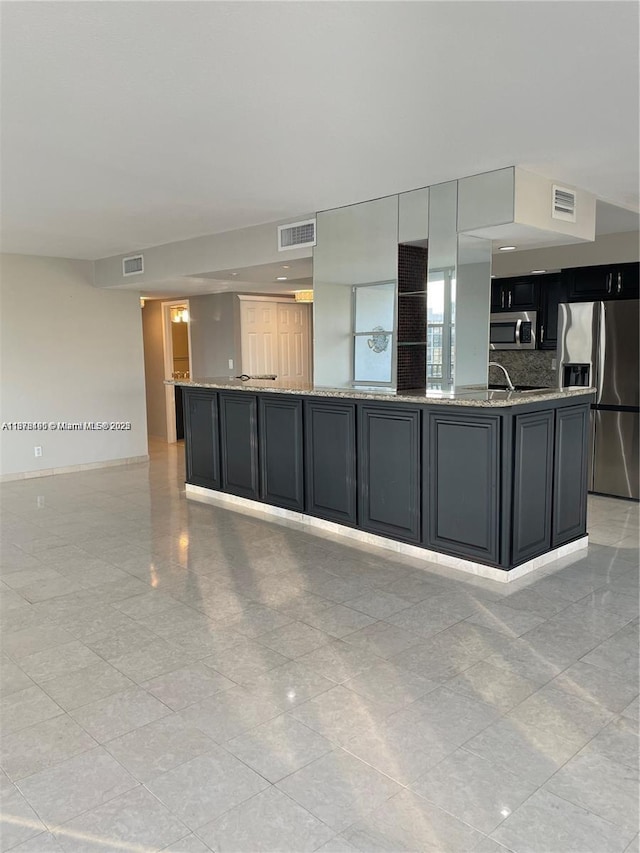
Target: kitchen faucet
506, 375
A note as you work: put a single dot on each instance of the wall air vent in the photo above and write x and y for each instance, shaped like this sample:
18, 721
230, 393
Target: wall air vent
563, 205
296, 235
133, 265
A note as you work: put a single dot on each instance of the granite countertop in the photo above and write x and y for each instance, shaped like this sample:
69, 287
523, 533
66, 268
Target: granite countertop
472, 397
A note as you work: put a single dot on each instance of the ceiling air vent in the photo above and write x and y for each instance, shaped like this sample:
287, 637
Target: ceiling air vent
564, 204
133, 265
297, 235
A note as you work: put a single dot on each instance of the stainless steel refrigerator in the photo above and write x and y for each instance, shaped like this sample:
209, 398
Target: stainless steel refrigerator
598, 345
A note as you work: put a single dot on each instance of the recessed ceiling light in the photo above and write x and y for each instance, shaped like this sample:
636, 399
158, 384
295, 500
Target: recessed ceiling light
234, 273
508, 248
285, 266
493, 275
281, 278
537, 272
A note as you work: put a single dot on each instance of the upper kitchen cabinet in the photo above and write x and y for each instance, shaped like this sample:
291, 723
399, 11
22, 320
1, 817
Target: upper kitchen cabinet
553, 290
616, 281
514, 294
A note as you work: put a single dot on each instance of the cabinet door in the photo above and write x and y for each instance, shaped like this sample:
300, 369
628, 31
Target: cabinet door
239, 444
498, 301
389, 471
523, 294
570, 474
202, 438
330, 450
553, 291
587, 284
626, 281
179, 402
281, 452
532, 485
514, 294
463, 485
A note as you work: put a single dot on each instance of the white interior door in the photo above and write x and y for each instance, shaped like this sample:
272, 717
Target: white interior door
294, 348
259, 323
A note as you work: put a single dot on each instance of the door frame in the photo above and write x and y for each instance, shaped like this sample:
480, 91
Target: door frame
167, 346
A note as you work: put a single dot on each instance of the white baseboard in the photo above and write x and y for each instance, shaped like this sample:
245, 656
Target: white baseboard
199, 493
72, 469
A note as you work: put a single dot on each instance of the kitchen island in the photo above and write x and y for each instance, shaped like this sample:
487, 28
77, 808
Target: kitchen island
492, 482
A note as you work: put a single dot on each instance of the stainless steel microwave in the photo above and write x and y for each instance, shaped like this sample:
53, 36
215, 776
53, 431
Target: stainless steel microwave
515, 330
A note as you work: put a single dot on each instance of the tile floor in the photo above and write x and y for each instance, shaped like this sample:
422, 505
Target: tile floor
186, 678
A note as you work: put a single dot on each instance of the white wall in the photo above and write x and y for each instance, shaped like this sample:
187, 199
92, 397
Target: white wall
68, 352
215, 335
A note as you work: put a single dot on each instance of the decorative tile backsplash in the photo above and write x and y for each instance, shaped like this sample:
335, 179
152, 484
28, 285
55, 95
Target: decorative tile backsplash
526, 367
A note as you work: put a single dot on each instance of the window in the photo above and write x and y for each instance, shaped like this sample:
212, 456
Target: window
374, 308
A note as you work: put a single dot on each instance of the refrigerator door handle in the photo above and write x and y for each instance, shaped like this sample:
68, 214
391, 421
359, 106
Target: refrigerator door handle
601, 338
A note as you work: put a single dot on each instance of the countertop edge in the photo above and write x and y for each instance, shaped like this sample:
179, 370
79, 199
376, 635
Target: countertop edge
509, 400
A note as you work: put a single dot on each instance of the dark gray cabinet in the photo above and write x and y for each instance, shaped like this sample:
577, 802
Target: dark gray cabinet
532, 485
570, 474
281, 452
179, 403
463, 506
239, 444
498, 486
330, 457
202, 445
389, 471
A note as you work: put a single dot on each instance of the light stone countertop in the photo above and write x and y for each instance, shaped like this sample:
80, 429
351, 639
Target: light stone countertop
474, 397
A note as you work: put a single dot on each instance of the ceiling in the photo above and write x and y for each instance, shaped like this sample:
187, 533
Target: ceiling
294, 272
128, 125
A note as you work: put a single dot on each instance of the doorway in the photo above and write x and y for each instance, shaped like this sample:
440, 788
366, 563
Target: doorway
176, 330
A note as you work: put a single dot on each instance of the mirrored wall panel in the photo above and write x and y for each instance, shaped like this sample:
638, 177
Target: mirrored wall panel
441, 285
473, 297
356, 252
